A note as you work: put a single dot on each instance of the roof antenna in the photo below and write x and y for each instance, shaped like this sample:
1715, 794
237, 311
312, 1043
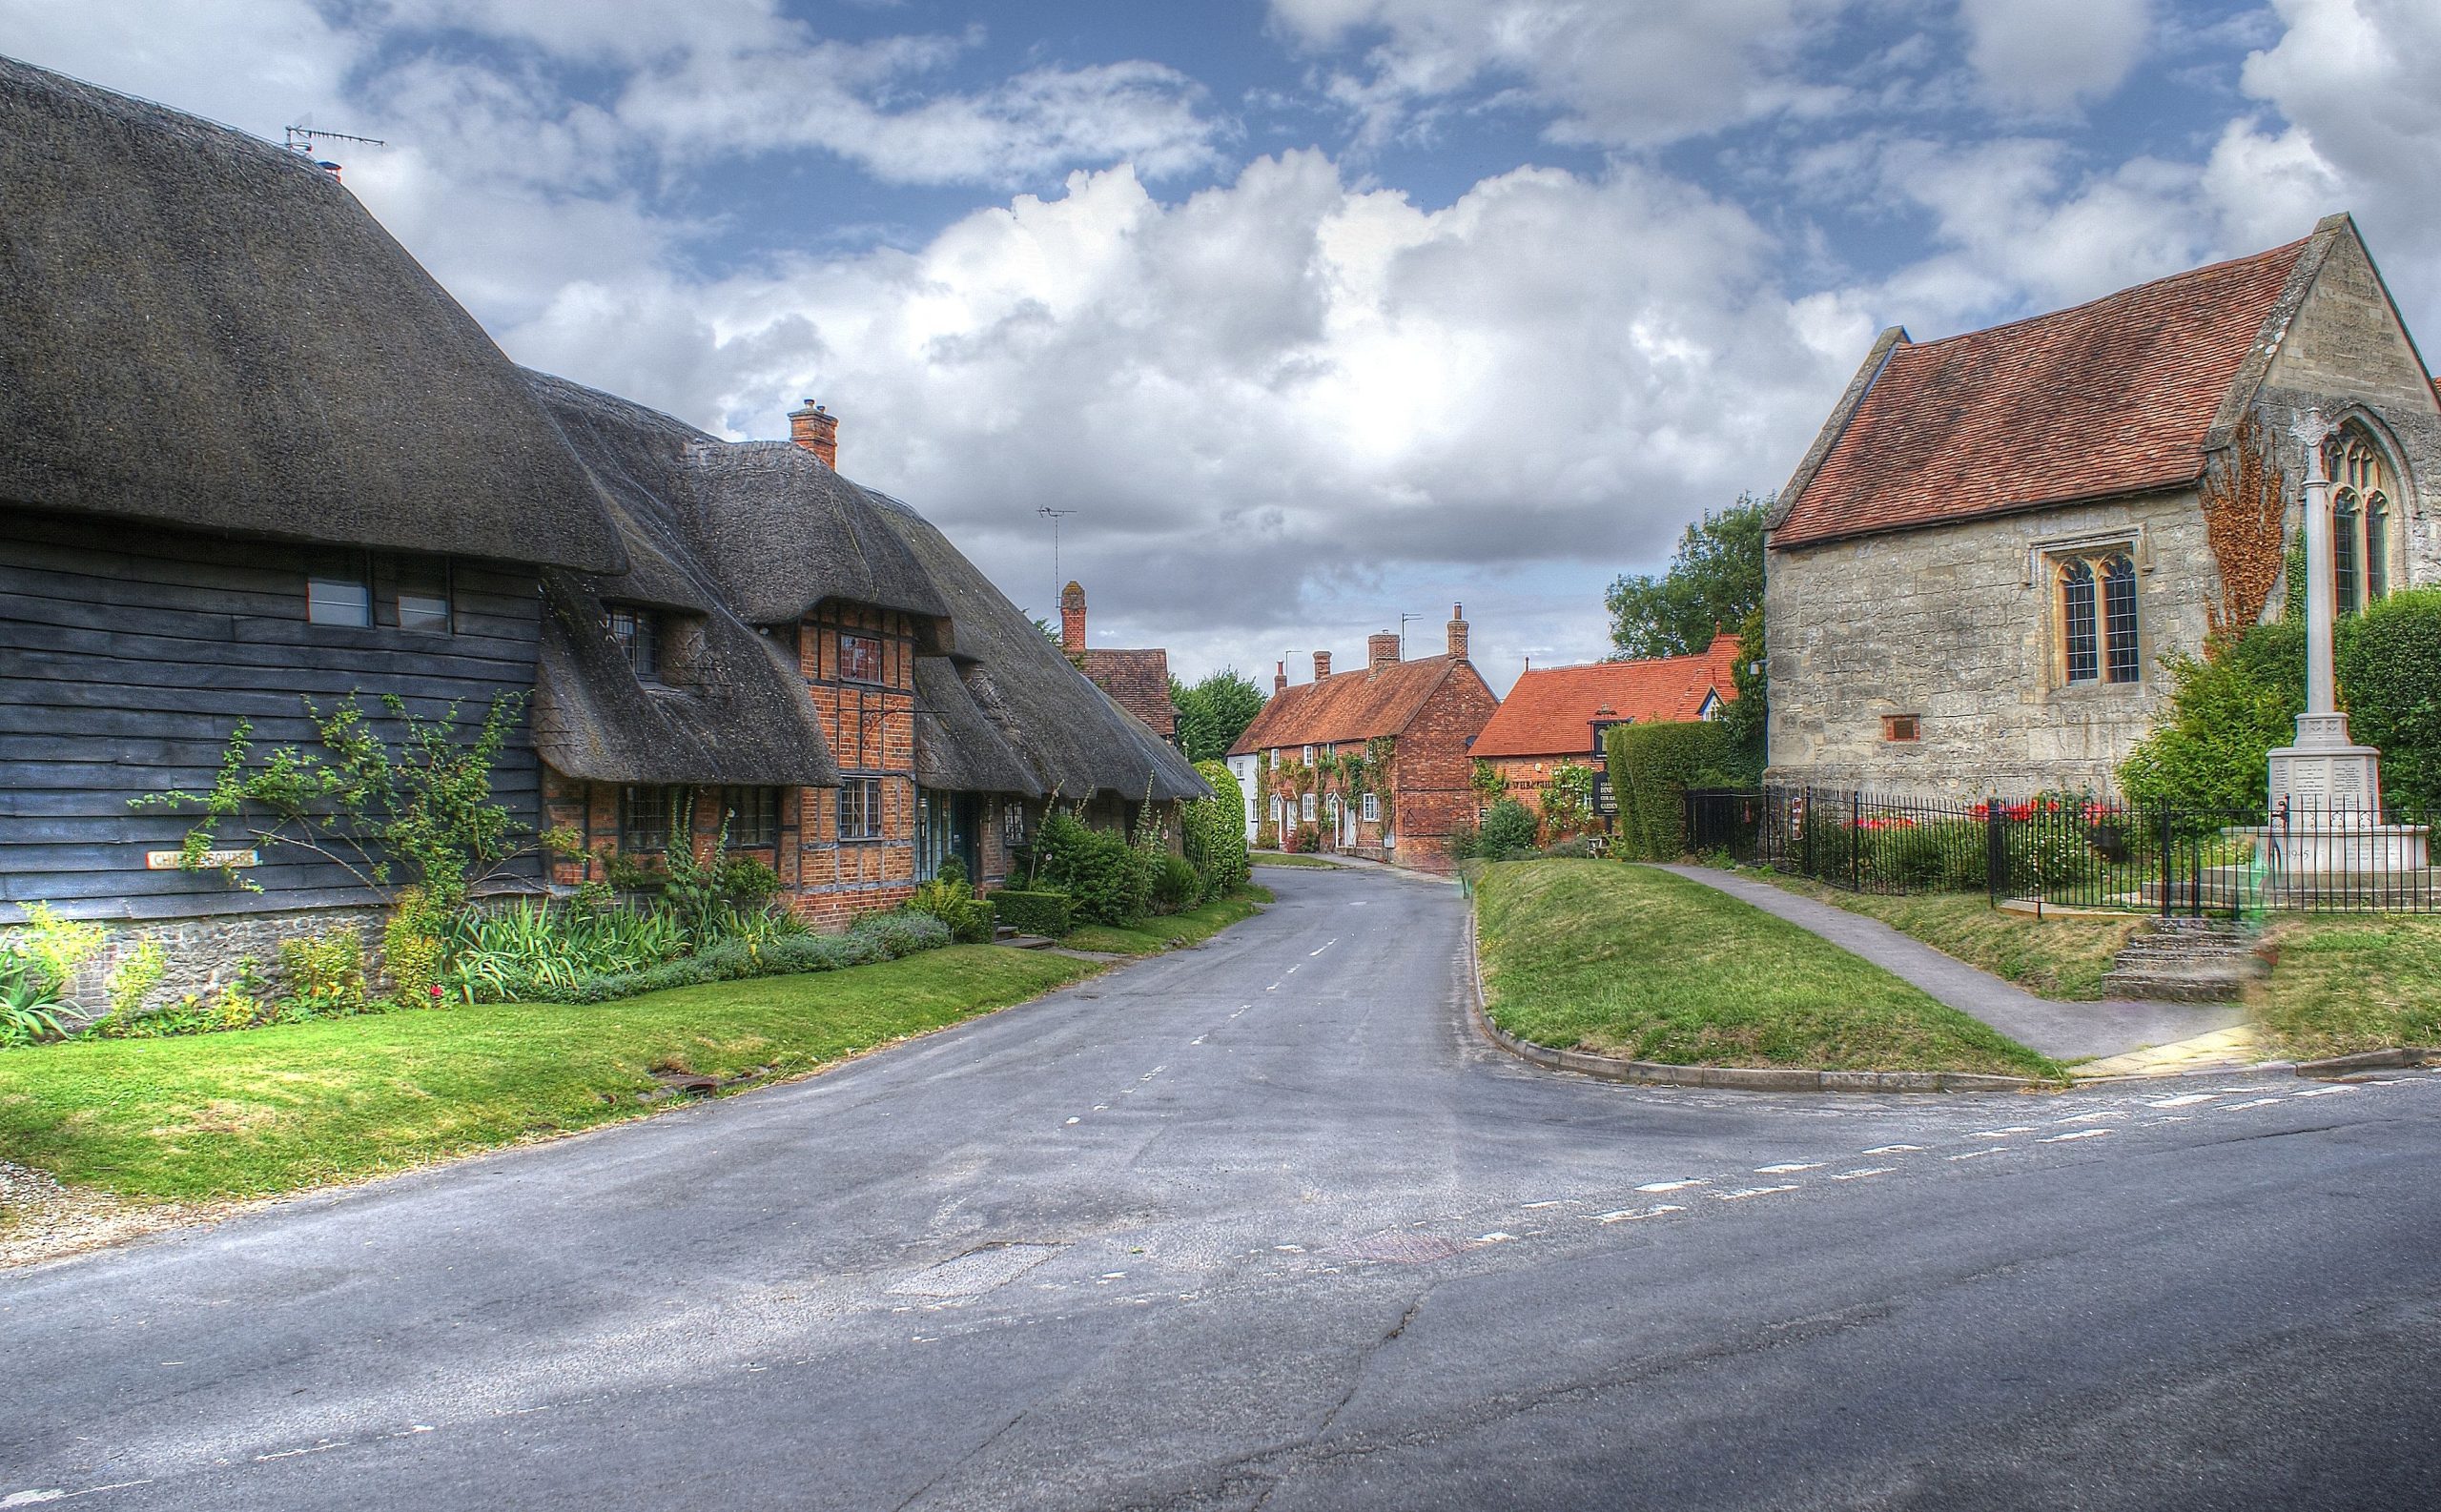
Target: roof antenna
1058, 584
1402, 633
300, 141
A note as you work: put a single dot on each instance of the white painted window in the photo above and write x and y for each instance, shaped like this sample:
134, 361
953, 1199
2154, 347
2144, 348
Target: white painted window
1372, 809
1307, 805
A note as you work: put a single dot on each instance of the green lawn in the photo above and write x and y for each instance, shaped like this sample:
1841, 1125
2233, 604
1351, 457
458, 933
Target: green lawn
257, 1111
1291, 858
1152, 936
1629, 961
2052, 957
2342, 985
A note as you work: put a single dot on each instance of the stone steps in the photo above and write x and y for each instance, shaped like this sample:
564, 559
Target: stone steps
2185, 961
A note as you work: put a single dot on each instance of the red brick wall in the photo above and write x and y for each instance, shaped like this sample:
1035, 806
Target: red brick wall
870, 728
1433, 775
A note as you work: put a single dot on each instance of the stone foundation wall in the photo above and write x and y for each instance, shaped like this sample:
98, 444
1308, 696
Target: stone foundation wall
205, 955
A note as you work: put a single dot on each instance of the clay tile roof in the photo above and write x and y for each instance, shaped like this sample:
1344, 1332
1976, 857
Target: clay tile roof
1346, 707
2109, 397
1140, 681
1550, 710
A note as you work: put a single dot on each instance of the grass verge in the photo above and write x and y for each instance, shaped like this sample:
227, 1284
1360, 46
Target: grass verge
1634, 962
2054, 957
258, 1112
2343, 984
1291, 858
1152, 936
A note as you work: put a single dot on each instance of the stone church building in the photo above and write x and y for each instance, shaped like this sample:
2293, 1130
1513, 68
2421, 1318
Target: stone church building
1977, 570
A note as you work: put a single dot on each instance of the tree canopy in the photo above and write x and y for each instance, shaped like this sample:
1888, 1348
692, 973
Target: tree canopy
1213, 713
1714, 582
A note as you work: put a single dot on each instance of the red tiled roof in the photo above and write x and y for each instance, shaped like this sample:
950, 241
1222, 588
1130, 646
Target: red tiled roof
1346, 707
2109, 397
1551, 712
1138, 682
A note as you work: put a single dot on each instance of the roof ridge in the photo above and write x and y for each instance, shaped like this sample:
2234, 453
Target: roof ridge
1921, 348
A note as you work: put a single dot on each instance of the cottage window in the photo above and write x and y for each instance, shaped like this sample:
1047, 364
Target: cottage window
860, 809
754, 816
638, 633
1309, 756
1305, 806
1372, 809
650, 816
1276, 809
860, 658
414, 593
2098, 622
2360, 521
337, 592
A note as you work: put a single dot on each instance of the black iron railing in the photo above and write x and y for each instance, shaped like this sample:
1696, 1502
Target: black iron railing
2074, 852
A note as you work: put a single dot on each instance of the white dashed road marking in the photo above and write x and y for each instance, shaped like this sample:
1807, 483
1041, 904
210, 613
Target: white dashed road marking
1787, 1166
1755, 1192
1860, 1175
1327, 944
1890, 1150
2187, 1101
2320, 1092
2078, 1133
1672, 1186
1989, 1150
1631, 1214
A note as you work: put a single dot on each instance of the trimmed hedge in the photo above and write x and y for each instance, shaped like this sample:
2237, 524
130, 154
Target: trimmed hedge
1215, 833
1033, 913
1651, 767
875, 937
2389, 665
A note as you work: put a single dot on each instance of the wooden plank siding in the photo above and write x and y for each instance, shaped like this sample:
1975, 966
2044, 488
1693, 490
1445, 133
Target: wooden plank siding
126, 657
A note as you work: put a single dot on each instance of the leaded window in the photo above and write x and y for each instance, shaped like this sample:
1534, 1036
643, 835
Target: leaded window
754, 816
860, 809
638, 633
860, 658
2360, 525
2077, 617
649, 817
2099, 636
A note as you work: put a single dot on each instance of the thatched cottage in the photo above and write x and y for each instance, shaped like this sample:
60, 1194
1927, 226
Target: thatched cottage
251, 452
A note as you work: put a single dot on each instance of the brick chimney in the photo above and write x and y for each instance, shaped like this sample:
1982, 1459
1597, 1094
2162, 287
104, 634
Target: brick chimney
1380, 650
1278, 677
1322, 665
1458, 631
1071, 619
818, 430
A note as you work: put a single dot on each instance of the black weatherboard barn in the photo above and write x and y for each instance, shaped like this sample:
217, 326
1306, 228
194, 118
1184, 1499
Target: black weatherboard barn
252, 454
249, 451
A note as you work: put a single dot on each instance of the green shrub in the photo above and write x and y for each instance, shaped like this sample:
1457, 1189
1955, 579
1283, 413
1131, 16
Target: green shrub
1039, 911
1103, 876
2388, 663
325, 973
1651, 767
950, 900
136, 977
874, 938
1507, 831
1176, 887
1215, 833
2227, 713
1930, 856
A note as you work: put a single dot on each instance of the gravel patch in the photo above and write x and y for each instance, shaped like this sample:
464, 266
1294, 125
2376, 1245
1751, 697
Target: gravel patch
42, 1220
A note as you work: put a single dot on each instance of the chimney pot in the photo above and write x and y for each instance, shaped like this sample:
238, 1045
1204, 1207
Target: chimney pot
818, 430
1279, 676
1458, 631
1380, 650
1071, 619
1322, 665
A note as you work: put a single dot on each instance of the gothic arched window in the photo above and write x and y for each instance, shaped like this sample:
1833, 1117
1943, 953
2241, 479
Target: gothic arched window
2077, 619
2360, 524
2121, 662
2098, 639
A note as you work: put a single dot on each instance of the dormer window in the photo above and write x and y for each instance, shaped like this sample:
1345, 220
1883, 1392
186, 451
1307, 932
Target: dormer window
860, 658
638, 633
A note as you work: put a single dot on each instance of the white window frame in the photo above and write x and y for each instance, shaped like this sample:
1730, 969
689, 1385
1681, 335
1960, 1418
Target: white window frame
1372, 811
1306, 807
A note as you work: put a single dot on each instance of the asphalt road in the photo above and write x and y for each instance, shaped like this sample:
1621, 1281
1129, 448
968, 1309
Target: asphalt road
1264, 1224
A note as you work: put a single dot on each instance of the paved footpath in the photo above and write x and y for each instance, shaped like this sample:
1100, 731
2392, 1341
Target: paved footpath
2062, 1030
1262, 1223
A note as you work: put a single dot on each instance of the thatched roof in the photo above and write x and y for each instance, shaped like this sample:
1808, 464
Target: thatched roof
1077, 739
203, 330
756, 533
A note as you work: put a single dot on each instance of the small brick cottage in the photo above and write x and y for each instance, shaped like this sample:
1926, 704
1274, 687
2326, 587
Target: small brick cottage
1137, 680
1554, 716
1371, 762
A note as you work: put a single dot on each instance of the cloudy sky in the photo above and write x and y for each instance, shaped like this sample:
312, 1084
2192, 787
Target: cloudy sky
1314, 312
